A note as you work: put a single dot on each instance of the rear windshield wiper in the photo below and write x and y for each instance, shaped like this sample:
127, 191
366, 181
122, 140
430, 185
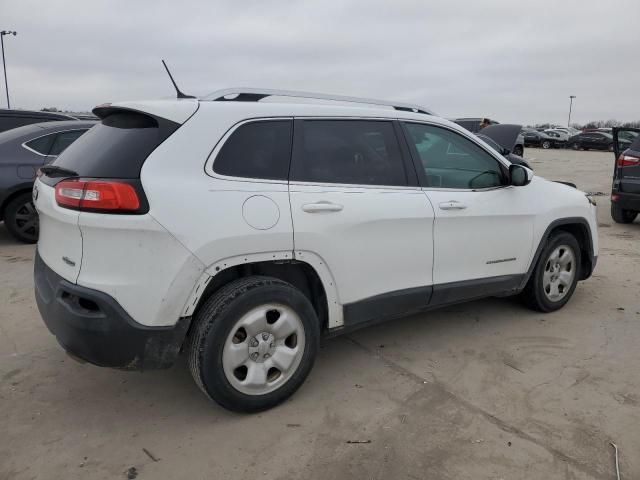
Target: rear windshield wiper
56, 171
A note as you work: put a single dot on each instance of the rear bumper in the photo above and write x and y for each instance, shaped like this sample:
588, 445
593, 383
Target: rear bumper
626, 201
92, 326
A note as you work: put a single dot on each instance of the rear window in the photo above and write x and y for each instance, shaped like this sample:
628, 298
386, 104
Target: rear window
117, 146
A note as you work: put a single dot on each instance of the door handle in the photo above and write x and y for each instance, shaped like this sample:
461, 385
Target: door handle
322, 207
452, 205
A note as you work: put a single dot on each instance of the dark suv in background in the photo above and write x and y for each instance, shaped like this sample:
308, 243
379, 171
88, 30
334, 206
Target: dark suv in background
625, 190
473, 125
22, 151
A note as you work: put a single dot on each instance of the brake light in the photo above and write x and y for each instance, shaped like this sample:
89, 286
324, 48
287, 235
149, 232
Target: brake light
628, 161
99, 195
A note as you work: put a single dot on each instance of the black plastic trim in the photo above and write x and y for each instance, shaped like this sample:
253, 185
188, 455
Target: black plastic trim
401, 303
388, 305
545, 238
455, 292
93, 327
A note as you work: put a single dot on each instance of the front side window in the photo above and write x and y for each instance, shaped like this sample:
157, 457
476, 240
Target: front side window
260, 149
63, 140
359, 152
450, 160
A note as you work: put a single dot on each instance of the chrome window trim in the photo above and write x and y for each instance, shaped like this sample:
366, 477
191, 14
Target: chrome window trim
25, 146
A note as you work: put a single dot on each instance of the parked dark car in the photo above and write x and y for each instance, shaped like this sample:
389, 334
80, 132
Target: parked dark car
22, 151
503, 139
473, 125
595, 140
533, 138
625, 190
10, 119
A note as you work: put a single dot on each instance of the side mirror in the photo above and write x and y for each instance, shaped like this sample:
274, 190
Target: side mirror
519, 176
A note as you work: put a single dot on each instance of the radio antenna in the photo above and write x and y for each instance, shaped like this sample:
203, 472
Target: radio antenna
175, 85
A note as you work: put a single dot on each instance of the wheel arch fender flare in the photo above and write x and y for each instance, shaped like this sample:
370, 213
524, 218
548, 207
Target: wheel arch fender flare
586, 244
225, 265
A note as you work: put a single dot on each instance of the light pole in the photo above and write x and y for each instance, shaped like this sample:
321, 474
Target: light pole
571, 97
4, 65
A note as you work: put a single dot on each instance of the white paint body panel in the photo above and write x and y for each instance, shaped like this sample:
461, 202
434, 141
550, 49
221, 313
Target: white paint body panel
380, 241
494, 225
60, 236
140, 264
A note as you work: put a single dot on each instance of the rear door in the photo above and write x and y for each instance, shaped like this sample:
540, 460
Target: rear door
356, 206
626, 150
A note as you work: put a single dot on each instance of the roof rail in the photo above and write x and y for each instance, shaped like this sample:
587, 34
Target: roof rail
257, 94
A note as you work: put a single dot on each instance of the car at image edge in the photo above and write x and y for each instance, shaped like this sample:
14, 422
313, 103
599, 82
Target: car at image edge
625, 190
240, 229
22, 151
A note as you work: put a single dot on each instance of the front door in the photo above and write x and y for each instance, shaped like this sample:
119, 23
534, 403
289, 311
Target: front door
354, 208
483, 228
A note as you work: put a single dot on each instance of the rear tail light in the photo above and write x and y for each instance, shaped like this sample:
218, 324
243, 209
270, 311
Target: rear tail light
628, 161
97, 195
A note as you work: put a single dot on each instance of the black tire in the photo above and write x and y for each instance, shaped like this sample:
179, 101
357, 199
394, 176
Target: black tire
575, 146
533, 294
620, 215
21, 218
214, 323
546, 144
610, 147
518, 150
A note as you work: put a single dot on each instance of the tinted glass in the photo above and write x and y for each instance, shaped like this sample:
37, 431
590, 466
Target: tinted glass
357, 152
117, 146
490, 142
41, 145
451, 160
257, 150
63, 140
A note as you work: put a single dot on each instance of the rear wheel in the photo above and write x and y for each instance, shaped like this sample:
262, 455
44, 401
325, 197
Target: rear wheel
620, 215
556, 274
610, 148
575, 146
21, 218
254, 343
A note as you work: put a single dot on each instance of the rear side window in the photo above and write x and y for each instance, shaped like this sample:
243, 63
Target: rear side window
260, 149
41, 145
360, 152
117, 146
63, 140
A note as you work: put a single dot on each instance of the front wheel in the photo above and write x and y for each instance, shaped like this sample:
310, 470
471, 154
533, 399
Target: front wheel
555, 275
254, 343
546, 144
21, 218
518, 150
575, 146
620, 215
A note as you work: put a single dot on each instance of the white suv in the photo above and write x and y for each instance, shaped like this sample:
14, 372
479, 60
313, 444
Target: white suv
240, 228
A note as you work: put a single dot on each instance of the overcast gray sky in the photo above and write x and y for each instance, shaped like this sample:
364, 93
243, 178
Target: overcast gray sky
509, 60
